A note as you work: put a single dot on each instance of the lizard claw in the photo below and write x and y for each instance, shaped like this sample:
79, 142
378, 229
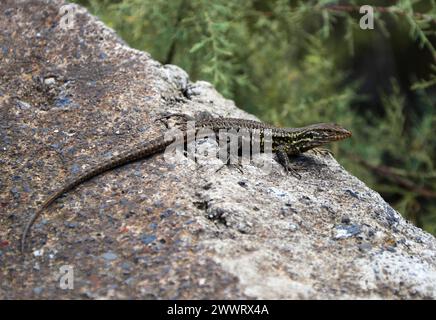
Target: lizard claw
228, 165
293, 172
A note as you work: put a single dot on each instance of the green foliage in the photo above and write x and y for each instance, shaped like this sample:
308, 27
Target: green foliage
297, 62
400, 158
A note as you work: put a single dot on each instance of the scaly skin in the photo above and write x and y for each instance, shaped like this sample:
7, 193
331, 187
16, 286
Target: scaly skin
285, 142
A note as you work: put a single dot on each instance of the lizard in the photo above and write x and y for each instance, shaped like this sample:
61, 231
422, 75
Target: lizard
286, 142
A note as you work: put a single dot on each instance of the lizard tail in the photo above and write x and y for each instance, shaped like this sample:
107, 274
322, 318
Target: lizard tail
33, 218
27, 229
141, 151
86, 176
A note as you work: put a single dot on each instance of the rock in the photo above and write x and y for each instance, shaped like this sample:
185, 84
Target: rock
345, 220
269, 235
38, 290
23, 105
70, 225
347, 231
147, 239
49, 81
109, 256
365, 247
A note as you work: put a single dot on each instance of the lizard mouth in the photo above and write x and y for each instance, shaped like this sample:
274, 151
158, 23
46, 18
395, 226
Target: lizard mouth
342, 137
346, 134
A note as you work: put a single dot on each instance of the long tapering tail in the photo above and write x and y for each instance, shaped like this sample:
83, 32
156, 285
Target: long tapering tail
140, 151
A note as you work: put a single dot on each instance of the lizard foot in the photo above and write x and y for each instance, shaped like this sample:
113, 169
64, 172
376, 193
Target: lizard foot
229, 164
322, 151
184, 118
291, 170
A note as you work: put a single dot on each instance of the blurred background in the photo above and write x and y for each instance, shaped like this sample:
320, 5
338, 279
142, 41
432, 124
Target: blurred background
293, 63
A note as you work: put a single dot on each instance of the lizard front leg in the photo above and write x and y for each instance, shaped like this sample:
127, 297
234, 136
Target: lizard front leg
283, 159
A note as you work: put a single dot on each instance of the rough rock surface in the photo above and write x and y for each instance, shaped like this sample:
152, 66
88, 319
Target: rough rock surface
152, 229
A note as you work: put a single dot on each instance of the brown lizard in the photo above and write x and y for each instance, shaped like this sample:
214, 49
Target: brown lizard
285, 142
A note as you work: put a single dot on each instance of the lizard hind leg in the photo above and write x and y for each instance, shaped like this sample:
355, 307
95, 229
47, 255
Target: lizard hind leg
164, 118
230, 164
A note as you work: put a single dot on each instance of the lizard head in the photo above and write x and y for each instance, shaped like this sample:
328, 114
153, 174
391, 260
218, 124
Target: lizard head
317, 135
